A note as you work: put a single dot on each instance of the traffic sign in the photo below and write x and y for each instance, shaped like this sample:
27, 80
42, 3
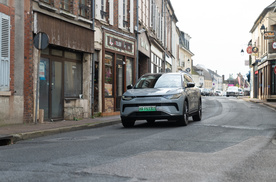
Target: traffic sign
41, 41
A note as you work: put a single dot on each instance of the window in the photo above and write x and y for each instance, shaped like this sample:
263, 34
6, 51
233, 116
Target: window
156, 64
66, 5
4, 52
125, 23
129, 71
108, 75
84, 8
103, 12
72, 79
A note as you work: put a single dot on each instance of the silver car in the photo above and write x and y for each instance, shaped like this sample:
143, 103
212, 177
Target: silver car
171, 96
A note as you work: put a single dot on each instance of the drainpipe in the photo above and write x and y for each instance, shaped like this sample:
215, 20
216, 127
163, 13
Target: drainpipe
137, 51
92, 58
165, 38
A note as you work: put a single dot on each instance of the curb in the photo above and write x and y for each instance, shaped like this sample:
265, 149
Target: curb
11, 139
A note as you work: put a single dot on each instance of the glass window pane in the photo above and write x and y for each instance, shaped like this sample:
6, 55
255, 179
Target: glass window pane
129, 71
108, 75
72, 79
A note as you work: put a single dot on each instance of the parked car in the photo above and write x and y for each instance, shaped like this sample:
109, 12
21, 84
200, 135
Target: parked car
171, 96
241, 93
218, 93
205, 92
232, 91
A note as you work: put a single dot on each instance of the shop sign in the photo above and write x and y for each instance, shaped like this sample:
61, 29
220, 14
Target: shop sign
119, 44
269, 35
274, 45
249, 50
255, 50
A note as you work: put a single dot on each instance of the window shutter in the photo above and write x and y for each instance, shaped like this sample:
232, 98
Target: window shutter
98, 9
111, 12
4, 52
120, 14
131, 23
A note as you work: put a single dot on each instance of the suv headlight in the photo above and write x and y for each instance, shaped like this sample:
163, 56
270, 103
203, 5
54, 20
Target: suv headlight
127, 97
174, 96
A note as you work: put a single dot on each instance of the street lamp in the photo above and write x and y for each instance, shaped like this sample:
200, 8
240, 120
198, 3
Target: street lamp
242, 52
262, 28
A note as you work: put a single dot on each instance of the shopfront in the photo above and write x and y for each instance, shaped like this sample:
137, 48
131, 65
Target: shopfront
267, 79
118, 70
64, 84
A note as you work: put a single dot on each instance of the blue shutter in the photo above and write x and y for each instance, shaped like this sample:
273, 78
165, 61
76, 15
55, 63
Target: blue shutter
4, 52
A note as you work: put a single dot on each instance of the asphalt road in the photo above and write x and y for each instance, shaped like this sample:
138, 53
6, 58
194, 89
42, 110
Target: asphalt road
233, 142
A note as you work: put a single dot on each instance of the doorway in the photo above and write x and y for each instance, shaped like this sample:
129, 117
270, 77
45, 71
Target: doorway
50, 89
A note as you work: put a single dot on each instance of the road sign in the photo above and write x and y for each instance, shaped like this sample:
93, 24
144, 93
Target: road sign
41, 41
249, 50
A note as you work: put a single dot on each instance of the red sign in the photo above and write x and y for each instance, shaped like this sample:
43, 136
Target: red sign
256, 72
275, 69
249, 50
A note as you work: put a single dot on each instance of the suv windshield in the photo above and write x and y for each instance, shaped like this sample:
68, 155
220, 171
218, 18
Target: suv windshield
160, 81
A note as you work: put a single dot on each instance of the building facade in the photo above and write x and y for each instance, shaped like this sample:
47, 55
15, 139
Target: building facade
115, 52
16, 103
263, 59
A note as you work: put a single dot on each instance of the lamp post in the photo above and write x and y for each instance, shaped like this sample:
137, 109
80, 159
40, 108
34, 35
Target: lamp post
263, 29
242, 52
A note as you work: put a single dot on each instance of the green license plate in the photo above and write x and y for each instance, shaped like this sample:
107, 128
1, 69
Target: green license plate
147, 108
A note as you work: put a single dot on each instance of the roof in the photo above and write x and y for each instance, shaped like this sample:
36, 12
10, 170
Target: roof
262, 15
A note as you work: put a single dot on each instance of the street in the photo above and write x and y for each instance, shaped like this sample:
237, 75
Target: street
234, 141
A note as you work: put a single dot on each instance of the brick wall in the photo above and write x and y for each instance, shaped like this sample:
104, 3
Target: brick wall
28, 69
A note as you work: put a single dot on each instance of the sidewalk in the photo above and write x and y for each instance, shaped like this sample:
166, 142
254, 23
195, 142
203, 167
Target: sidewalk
269, 104
10, 134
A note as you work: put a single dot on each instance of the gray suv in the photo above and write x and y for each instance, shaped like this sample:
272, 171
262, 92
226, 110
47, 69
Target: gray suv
171, 96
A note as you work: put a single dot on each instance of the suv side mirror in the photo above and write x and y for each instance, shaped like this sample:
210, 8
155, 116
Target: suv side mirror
190, 84
129, 87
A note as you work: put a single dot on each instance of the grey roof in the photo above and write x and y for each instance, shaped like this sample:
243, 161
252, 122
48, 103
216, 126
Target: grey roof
262, 15
206, 74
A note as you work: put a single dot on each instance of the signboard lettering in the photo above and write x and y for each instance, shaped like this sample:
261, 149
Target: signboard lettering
269, 35
119, 44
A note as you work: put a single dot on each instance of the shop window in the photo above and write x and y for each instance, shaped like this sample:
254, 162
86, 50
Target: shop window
56, 52
72, 55
129, 71
72, 79
108, 75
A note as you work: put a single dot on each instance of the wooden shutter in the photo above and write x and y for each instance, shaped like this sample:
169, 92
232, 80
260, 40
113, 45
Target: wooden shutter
120, 14
131, 23
4, 52
98, 9
111, 12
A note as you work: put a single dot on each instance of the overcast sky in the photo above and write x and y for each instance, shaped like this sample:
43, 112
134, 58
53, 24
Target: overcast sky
219, 30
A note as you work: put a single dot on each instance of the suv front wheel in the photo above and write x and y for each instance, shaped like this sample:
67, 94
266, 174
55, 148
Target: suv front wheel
183, 121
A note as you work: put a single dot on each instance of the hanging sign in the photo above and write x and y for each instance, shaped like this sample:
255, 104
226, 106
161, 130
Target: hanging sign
249, 50
274, 45
255, 49
269, 35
